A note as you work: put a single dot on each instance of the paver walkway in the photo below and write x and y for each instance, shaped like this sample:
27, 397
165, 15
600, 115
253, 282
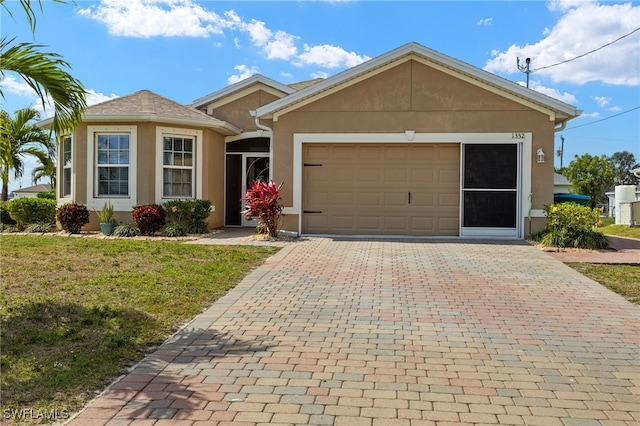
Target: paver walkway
383, 332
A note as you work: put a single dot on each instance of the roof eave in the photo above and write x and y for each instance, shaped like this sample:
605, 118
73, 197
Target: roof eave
220, 126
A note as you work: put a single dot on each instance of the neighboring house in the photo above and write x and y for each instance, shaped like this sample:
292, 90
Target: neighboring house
31, 191
611, 195
561, 185
412, 142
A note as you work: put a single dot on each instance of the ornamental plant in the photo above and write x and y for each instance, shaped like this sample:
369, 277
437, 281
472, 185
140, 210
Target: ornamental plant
191, 215
263, 201
149, 218
73, 216
573, 225
25, 211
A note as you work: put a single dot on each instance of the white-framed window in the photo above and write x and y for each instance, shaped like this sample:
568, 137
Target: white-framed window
179, 154
177, 166
67, 162
112, 166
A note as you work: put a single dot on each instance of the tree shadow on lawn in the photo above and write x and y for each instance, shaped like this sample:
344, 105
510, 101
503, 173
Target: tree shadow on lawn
56, 354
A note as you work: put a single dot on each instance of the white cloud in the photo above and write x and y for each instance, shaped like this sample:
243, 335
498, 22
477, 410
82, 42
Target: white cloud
485, 22
602, 101
615, 108
328, 56
16, 87
94, 97
157, 18
152, 18
584, 26
244, 72
550, 91
320, 74
590, 115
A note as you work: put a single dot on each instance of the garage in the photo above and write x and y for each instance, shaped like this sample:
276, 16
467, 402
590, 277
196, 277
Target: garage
381, 188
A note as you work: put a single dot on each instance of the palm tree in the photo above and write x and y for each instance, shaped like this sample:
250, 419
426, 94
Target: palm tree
20, 137
45, 73
45, 170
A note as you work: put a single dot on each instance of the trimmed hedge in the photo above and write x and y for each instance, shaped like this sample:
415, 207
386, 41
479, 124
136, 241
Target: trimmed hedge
26, 211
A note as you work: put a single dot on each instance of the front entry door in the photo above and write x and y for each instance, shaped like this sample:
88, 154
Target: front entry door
256, 168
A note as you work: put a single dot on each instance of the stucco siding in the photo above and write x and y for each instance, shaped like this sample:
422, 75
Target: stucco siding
237, 111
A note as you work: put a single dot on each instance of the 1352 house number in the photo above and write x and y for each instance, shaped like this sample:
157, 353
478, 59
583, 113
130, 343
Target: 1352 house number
517, 135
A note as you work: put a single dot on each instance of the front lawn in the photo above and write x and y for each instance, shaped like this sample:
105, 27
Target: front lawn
622, 279
76, 312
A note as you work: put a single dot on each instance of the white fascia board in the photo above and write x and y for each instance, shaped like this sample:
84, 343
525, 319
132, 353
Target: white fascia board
240, 86
432, 58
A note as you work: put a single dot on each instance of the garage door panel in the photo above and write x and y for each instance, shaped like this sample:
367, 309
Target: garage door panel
368, 175
396, 174
448, 176
365, 189
371, 199
395, 199
344, 152
421, 174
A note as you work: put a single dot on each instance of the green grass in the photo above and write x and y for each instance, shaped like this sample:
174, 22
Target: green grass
622, 279
76, 312
610, 228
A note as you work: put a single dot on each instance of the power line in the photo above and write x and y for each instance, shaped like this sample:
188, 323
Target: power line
588, 53
603, 119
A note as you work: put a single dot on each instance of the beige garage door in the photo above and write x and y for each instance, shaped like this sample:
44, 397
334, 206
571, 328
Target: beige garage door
381, 189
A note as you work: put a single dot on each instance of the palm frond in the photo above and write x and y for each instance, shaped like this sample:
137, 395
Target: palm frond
45, 73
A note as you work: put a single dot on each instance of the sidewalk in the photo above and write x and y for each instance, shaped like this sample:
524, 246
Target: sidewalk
625, 251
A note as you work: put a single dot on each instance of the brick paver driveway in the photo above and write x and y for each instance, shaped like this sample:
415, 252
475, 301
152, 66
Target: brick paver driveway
409, 332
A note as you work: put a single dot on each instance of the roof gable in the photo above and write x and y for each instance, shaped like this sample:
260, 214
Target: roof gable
242, 88
558, 111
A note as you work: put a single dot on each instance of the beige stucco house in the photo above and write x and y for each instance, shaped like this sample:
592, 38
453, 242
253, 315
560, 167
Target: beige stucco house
412, 142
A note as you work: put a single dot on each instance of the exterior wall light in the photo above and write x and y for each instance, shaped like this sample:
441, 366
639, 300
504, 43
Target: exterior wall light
540, 154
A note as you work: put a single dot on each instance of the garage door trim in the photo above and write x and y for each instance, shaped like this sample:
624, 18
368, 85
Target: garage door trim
522, 138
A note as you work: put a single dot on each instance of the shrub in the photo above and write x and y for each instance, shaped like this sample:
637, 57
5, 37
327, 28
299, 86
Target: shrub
31, 210
5, 216
572, 225
263, 201
190, 214
126, 230
149, 218
7, 229
38, 228
73, 216
173, 230
50, 195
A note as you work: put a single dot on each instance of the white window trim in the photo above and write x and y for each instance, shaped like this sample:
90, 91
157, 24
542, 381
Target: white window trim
197, 165
119, 203
60, 180
524, 138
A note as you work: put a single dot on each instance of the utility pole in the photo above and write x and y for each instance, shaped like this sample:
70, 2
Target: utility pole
525, 68
561, 150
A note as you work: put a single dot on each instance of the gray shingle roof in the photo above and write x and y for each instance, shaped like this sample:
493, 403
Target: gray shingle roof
146, 102
145, 105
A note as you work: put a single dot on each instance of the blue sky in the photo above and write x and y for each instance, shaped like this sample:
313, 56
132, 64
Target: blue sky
185, 49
